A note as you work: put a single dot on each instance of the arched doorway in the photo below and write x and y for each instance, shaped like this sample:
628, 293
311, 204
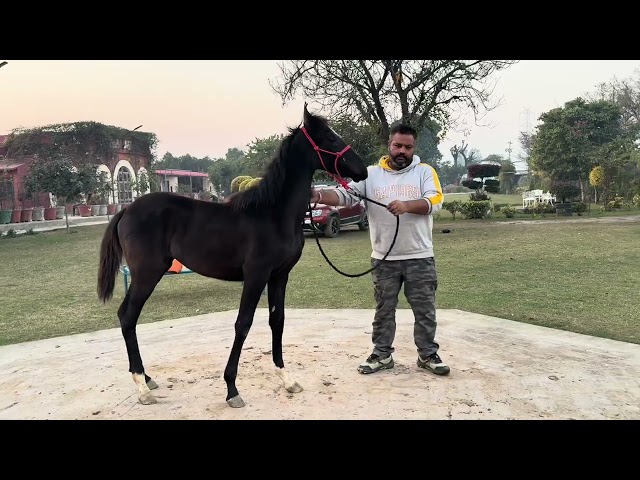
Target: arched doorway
125, 192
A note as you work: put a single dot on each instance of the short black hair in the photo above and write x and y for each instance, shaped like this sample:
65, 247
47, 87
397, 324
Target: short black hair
403, 129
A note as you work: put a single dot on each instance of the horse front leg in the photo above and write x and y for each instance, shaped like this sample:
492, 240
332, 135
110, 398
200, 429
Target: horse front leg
277, 289
253, 286
128, 314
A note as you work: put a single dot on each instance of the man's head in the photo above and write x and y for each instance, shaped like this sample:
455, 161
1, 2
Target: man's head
402, 144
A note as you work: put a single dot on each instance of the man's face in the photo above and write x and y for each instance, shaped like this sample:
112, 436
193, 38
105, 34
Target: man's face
401, 149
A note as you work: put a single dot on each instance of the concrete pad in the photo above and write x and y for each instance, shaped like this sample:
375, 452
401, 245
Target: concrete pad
500, 369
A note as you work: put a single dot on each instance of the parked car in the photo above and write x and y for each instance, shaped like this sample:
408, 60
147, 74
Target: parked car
329, 220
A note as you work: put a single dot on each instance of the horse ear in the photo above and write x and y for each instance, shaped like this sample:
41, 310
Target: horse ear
307, 115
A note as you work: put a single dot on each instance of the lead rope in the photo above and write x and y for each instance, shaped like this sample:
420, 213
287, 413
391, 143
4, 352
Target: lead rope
338, 178
315, 231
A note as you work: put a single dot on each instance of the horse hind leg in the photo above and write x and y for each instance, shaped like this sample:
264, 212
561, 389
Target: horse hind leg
276, 322
142, 286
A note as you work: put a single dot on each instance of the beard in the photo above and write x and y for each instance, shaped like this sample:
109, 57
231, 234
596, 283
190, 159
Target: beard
400, 161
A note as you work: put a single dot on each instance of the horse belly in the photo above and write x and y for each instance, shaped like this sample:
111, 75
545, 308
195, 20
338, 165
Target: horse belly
223, 267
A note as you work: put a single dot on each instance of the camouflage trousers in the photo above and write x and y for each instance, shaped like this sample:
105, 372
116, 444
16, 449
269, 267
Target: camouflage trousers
420, 284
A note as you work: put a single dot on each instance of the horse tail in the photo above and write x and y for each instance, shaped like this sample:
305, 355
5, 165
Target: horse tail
110, 258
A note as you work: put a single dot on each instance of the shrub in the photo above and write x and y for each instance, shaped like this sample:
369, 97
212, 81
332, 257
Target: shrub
453, 207
509, 211
478, 196
235, 183
565, 190
476, 209
579, 207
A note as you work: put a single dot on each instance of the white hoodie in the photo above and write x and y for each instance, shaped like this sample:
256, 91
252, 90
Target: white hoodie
384, 185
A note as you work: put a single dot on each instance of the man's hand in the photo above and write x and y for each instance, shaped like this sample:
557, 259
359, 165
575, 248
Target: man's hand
397, 207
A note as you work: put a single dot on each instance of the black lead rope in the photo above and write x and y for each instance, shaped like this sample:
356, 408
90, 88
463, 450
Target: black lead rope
353, 275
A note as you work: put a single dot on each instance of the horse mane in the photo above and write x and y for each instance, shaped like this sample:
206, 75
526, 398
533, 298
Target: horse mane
267, 192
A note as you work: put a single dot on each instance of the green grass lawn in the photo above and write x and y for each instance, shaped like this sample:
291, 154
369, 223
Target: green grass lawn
582, 277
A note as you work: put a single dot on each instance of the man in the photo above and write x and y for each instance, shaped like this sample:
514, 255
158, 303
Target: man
411, 190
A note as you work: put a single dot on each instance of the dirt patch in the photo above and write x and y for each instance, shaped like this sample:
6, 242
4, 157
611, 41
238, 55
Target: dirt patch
500, 369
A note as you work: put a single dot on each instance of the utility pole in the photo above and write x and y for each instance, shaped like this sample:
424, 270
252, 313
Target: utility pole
509, 150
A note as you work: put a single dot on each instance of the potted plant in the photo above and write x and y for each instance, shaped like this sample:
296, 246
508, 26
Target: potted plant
50, 212
94, 204
16, 213
35, 213
6, 200
103, 192
26, 214
112, 205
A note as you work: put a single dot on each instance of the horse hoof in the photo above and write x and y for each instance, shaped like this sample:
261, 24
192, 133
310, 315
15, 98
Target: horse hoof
236, 402
152, 384
147, 399
295, 388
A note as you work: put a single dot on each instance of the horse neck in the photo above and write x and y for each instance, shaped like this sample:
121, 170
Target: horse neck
297, 187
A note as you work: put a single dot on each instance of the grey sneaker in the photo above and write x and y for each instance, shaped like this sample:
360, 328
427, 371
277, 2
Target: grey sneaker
435, 364
375, 363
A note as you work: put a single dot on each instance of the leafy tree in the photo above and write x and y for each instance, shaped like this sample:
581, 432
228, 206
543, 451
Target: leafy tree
234, 154
379, 92
596, 177
573, 138
261, 152
565, 189
448, 173
427, 143
507, 172
220, 174
362, 138
183, 162
60, 177
223, 170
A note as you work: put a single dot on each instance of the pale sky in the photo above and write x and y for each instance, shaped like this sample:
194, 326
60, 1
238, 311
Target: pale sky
205, 107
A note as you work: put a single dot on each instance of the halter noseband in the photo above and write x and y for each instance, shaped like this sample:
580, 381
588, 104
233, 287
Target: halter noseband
338, 178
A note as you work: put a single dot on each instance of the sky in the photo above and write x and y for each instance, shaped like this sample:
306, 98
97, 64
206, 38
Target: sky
205, 107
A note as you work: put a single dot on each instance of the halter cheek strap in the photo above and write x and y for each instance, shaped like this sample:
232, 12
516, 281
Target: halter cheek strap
338, 178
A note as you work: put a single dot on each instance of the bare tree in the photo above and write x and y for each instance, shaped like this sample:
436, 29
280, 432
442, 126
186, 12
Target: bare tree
473, 157
459, 150
379, 92
625, 93
526, 142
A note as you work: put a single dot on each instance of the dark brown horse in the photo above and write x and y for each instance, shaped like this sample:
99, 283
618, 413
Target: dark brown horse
256, 238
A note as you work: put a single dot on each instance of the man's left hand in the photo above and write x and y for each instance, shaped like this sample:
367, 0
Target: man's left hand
397, 207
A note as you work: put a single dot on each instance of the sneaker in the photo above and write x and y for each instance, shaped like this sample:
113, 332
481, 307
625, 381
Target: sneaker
435, 364
375, 363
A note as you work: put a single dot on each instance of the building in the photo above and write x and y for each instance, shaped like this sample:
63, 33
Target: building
123, 166
184, 182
